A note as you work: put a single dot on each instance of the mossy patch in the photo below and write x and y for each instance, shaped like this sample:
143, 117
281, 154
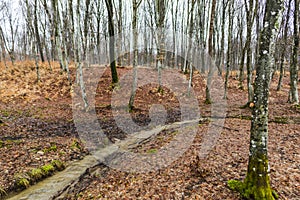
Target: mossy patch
48, 169
152, 151
51, 148
37, 174
296, 106
2, 192
9, 143
208, 102
235, 185
75, 145
6, 113
281, 120
22, 180
58, 165
247, 193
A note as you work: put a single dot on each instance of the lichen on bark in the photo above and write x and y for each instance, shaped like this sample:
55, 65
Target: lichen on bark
257, 182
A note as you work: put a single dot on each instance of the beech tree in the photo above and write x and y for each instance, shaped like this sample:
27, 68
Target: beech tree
283, 50
229, 46
135, 5
110, 8
210, 51
294, 98
257, 182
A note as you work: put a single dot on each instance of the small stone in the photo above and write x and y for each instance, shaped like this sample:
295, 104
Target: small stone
40, 153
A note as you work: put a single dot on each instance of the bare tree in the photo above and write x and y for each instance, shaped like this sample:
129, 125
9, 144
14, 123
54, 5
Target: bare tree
9, 40
284, 41
251, 11
257, 182
210, 52
114, 74
229, 46
135, 5
160, 16
37, 32
293, 97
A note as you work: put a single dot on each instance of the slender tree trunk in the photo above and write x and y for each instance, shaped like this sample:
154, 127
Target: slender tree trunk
120, 26
229, 48
210, 52
37, 33
283, 49
111, 32
294, 98
135, 5
2, 40
221, 57
160, 13
189, 60
79, 61
250, 19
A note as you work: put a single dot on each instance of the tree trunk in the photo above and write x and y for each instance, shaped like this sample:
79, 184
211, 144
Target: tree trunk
257, 182
221, 54
111, 32
283, 49
160, 14
250, 19
37, 33
135, 5
210, 52
229, 48
294, 98
189, 60
79, 61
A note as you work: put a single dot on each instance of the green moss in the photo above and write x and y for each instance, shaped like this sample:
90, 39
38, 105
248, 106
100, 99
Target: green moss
208, 102
5, 113
151, 151
2, 192
58, 165
48, 169
275, 195
160, 90
22, 180
297, 106
174, 133
281, 120
11, 142
250, 191
75, 145
37, 174
235, 185
52, 148
61, 153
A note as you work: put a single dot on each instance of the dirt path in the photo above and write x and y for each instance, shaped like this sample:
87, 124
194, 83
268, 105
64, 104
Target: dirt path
57, 185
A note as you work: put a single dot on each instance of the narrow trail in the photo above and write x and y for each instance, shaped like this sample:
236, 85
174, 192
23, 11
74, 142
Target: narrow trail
55, 186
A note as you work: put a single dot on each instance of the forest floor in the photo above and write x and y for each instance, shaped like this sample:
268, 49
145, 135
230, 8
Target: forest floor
36, 127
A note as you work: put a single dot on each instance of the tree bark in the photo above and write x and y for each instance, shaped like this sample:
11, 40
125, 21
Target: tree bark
257, 182
208, 99
283, 50
111, 32
135, 5
294, 98
229, 48
37, 33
